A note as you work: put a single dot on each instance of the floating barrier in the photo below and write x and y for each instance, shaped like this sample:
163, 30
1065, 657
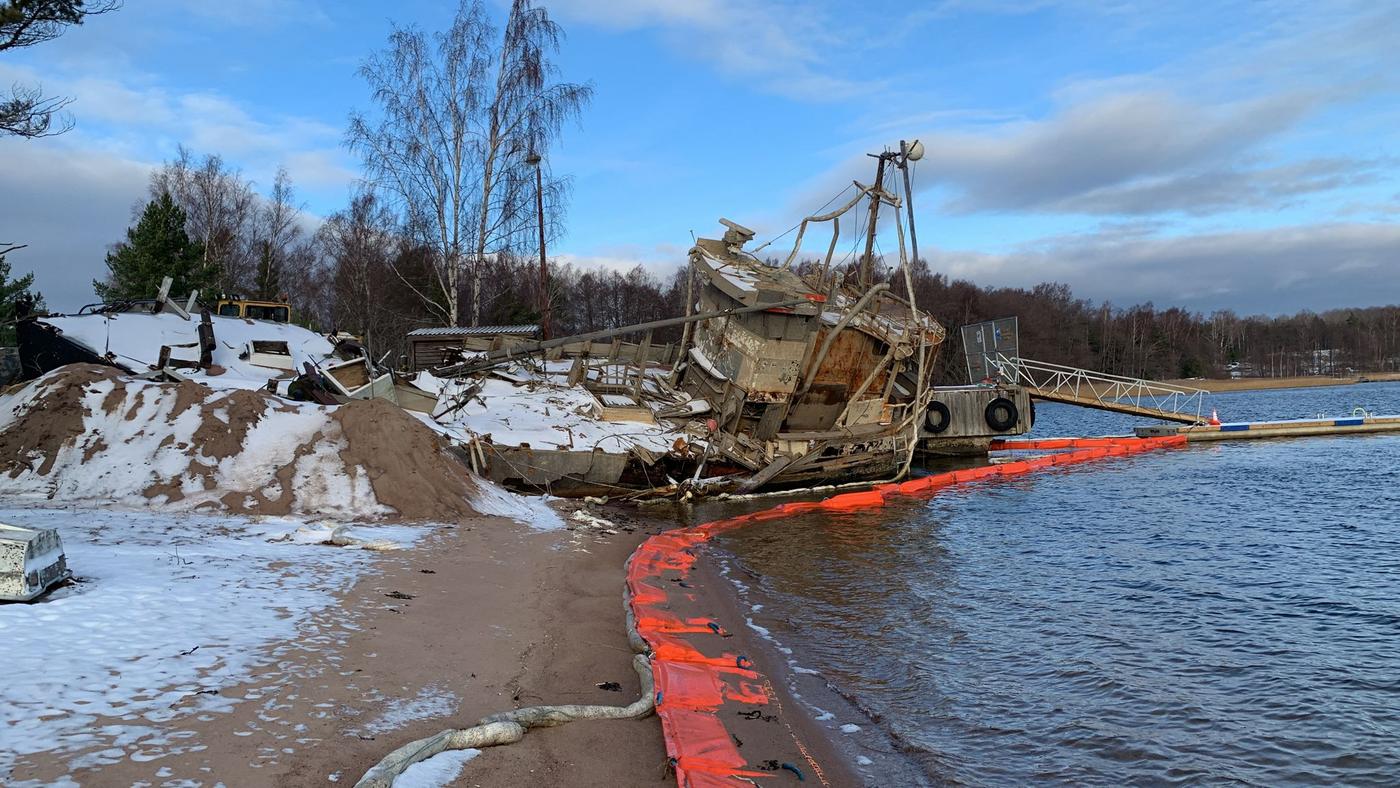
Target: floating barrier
695, 675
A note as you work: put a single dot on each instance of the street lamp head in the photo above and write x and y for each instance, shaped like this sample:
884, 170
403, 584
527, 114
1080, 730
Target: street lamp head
532, 159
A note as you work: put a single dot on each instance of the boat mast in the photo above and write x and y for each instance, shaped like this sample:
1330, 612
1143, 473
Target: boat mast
868, 263
908, 153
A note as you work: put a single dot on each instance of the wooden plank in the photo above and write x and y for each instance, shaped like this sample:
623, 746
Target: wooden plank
643, 361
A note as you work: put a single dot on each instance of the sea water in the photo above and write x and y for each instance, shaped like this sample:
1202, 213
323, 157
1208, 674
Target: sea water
1223, 613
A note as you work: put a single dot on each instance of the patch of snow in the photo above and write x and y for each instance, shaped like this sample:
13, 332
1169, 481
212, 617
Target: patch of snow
861, 760
436, 772
532, 510
145, 441
705, 363
428, 382
744, 280
170, 610
850, 728
431, 701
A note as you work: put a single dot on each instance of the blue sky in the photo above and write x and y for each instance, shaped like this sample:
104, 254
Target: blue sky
1224, 155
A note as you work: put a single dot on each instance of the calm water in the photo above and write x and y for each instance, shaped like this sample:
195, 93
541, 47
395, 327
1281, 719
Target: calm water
1218, 614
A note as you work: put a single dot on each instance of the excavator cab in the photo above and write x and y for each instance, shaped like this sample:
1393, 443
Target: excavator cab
274, 311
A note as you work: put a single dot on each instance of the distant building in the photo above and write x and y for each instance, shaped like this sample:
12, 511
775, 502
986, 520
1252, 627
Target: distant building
429, 348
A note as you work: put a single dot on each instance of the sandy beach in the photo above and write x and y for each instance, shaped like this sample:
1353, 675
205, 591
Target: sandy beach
476, 618
480, 617
1297, 382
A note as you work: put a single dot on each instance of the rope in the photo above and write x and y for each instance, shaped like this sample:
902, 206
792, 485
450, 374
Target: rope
776, 238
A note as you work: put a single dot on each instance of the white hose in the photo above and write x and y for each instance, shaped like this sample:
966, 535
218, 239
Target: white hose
508, 727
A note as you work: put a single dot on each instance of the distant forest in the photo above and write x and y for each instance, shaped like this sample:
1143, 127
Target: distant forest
358, 272
1055, 326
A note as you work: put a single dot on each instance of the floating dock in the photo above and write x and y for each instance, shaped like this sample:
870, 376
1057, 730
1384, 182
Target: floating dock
1294, 428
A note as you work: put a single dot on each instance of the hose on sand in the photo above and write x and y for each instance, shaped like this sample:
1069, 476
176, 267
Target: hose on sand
508, 727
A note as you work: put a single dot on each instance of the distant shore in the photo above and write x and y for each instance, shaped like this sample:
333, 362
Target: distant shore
1299, 382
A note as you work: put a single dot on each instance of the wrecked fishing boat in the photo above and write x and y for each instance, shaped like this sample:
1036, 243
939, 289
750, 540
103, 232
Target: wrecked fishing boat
786, 375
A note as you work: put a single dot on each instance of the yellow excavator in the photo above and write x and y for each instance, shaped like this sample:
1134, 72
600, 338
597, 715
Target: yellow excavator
253, 309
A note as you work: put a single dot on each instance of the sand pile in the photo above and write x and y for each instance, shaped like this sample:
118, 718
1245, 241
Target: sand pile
87, 432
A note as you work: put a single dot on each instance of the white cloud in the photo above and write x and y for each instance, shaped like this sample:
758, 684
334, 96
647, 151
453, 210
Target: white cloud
1273, 270
68, 206
1125, 153
788, 47
1234, 124
660, 260
70, 197
135, 116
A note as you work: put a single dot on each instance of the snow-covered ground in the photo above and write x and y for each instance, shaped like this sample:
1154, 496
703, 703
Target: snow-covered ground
135, 340
168, 609
137, 434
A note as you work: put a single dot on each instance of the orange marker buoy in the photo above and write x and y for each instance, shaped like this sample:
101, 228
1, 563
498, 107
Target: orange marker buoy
1214, 419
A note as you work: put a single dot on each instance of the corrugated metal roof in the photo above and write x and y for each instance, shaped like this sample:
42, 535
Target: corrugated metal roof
469, 331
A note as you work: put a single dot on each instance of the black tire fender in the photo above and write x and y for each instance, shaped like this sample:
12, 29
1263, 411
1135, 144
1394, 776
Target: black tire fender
938, 418
1001, 414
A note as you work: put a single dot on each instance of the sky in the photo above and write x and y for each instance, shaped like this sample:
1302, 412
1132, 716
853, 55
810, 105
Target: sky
1226, 155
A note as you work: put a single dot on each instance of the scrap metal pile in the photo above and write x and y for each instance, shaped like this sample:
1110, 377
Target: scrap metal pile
780, 379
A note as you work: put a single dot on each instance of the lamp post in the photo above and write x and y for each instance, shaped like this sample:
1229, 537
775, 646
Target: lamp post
545, 306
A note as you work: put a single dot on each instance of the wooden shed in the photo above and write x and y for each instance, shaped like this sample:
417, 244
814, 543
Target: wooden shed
429, 348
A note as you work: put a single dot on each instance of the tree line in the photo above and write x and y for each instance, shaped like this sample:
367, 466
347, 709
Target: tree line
1145, 341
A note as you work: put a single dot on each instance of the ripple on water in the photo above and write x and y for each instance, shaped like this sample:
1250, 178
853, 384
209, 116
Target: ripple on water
1225, 613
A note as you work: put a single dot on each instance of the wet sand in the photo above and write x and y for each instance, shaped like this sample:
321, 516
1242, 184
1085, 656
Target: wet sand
478, 618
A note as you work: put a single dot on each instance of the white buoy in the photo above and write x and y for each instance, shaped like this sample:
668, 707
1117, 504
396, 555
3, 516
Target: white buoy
31, 562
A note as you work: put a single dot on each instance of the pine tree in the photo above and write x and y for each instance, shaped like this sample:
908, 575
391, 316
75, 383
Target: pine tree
155, 248
12, 292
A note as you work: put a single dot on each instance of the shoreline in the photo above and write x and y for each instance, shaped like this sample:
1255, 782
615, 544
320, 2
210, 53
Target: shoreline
870, 756
1219, 385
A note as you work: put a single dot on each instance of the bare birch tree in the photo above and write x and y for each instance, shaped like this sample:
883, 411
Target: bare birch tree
460, 114
359, 244
277, 236
219, 205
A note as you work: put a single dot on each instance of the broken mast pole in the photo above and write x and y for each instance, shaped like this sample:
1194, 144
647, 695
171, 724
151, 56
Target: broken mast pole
868, 263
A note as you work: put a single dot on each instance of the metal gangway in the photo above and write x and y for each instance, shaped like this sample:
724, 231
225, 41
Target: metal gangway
993, 354
1100, 390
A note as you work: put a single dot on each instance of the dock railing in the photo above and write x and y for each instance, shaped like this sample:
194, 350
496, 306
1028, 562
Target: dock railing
1074, 386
